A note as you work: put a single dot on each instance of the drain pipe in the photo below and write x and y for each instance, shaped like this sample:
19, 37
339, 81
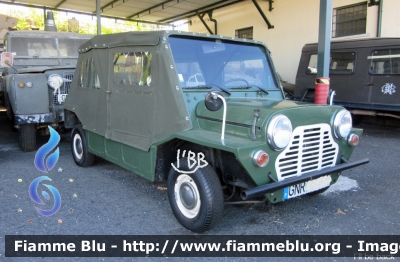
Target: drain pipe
378, 33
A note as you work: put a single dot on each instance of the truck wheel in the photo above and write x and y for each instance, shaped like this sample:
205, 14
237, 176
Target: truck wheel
196, 199
27, 137
79, 147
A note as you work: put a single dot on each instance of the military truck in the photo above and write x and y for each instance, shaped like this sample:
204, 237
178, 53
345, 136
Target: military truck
36, 79
6, 22
232, 137
363, 72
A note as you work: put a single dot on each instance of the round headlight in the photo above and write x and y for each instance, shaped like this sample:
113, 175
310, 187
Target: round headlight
279, 132
342, 123
55, 81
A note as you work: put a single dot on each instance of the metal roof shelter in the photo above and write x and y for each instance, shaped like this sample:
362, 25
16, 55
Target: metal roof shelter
144, 11
168, 11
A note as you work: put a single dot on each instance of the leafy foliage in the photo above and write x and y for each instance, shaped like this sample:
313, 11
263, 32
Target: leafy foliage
33, 18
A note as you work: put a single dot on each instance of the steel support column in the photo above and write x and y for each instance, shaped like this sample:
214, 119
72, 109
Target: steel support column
98, 15
324, 38
44, 17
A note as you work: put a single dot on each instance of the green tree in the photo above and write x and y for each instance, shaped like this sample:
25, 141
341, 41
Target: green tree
33, 18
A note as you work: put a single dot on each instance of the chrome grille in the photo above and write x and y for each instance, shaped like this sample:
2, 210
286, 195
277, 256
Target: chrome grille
64, 89
311, 148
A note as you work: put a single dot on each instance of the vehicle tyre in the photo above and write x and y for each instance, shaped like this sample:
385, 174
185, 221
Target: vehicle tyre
27, 137
79, 147
318, 192
196, 199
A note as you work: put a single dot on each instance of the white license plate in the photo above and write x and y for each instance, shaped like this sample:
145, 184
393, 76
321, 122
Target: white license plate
61, 98
306, 187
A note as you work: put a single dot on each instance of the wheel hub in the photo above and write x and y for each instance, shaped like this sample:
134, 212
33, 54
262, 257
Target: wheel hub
78, 147
188, 195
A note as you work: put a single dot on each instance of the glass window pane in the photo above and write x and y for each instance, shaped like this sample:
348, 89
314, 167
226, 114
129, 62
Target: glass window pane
380, 62
349, 20
34, 47
94, 79
395, 57
312, 65
342, 63
248, 70
221, 63
70, 46
132, 68
88, 74
246, 33
82, 73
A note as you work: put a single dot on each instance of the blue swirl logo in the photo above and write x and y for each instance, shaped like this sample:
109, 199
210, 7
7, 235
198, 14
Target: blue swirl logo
45, 165
41, 154
35, 197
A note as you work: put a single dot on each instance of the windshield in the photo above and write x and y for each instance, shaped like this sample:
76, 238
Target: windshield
206, 63
45, 46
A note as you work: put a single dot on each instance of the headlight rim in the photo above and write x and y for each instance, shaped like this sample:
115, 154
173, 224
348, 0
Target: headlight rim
52, 76
336, 123
271, 128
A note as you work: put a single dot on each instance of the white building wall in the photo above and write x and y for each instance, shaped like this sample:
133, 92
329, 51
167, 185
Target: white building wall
390, 18
295, 24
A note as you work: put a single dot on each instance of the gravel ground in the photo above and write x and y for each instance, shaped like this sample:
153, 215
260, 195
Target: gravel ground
105, 199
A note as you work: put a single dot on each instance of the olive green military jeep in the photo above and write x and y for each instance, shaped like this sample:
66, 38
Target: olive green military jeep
35, 73
207, 114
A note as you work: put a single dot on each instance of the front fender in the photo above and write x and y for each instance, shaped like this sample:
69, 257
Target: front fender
28, 100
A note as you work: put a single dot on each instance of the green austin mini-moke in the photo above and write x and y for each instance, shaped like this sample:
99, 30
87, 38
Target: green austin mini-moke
207, 114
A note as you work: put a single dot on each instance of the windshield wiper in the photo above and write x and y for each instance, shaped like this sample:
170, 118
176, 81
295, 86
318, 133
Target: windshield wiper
250, 86
210, 86
197, 87
222, 88
262, 89
240, 87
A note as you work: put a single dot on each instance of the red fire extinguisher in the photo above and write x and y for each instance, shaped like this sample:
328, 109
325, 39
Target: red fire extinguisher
321, 90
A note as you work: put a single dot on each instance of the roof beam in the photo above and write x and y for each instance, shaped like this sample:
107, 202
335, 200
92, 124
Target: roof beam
107, 5
191, 13
84, 13
149, 9
111, 4
60, 3
262, 14
204, 22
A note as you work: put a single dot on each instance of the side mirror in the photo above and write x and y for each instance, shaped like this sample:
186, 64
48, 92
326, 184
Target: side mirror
6, 59
214, 101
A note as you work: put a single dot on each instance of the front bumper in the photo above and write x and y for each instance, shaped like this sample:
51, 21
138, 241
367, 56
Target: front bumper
276, 185
34, 119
